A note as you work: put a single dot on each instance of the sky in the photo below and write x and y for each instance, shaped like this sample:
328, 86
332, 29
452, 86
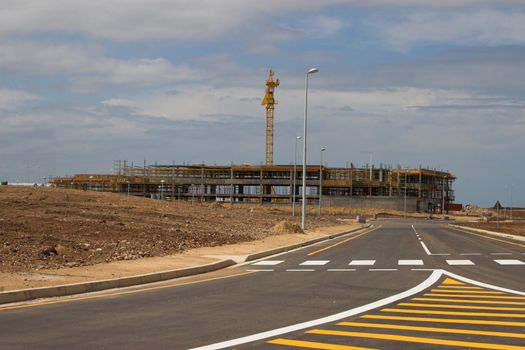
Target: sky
435, 83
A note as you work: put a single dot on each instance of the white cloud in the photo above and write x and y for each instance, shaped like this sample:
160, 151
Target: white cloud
183, 20
12, 99
74, 59
473, 27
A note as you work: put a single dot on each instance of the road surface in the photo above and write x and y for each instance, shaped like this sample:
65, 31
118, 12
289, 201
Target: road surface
400, 284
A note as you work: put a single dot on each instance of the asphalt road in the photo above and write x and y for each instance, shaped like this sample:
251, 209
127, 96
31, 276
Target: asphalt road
307, 285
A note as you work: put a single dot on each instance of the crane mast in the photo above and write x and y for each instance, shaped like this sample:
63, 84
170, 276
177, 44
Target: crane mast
269, 102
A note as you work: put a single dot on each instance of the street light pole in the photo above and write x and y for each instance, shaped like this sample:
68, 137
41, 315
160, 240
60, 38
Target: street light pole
90, 178
406, 171
161, 189
443, 198
321, 179
297, 138
303, 216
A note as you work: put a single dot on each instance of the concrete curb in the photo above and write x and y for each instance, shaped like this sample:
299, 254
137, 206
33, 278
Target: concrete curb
86, 287
274, 251
499, 234
95, 286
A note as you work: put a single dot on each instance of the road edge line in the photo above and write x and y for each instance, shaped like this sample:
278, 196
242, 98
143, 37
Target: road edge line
433, 278
481, 284
283, 249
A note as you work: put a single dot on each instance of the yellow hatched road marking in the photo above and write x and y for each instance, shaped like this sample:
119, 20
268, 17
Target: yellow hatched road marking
445, 320
339, 243
459, 287
472, 296
452, 281
420, 340
314, 345
463, 291
431, 329
471, 307
455, 313
471, 301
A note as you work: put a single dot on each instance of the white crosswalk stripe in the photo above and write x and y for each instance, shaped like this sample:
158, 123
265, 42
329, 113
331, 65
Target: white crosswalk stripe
509, 262
315, 262
410, 262
362, 262
268, 262
460, 262
401, 262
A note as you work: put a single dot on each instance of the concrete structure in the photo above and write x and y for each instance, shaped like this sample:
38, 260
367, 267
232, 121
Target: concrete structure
273, 184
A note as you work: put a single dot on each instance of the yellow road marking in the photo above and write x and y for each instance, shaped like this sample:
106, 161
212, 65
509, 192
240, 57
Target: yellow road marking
431, 329
472, 296
455, 313
495, 239
447, 306
460, 287
339, 243
462, 291
420, 340
452, 281
471, 301
120, 293
446, 320
314, 345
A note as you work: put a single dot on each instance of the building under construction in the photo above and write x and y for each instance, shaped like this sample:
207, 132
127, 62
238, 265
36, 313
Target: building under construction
388, 188
383, 187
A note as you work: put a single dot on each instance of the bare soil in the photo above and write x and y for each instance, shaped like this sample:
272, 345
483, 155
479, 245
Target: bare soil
514, 228
48, 228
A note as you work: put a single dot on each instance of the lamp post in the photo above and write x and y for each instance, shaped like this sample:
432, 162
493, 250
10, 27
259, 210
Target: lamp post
443, 198
161, 189
303, 216
90, 178
510, 197
128, 186
406, 171
321, 179
297, 138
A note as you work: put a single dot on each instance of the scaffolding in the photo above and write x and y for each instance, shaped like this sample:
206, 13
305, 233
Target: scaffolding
273, 184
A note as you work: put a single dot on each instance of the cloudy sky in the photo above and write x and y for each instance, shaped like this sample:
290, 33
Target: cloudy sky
437, 83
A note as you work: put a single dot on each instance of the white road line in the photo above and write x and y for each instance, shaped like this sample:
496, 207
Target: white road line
260, 270
428, 251
362, 262
510, 262
315, 262
423, 269
433, 278
413, 228
410, 262
470, 254
268, 262
376, 270
341, 270
425, 247
460, 262
481, 284
300, 270
500, 253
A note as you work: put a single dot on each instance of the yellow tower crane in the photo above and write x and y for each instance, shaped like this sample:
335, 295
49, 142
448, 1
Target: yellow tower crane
270, 103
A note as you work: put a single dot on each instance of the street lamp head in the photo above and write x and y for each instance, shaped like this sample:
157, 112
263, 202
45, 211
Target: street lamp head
313, 70
323, 149
298, 137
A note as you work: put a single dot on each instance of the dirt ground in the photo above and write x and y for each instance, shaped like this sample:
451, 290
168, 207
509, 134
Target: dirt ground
47, 228
513, 228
